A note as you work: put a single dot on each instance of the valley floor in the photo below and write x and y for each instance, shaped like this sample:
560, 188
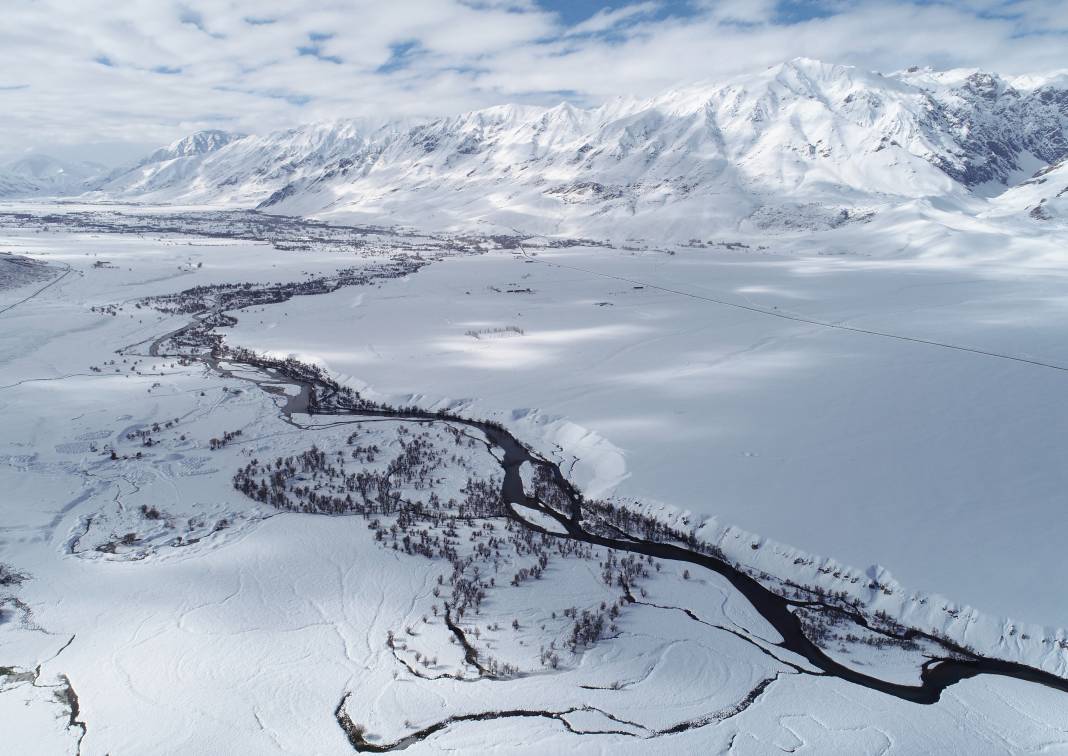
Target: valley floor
902, 412
682, 378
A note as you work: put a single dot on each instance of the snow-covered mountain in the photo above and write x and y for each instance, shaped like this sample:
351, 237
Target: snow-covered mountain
194, 145
169, 167
802, 144
1003, 133
1043, 197
41, 175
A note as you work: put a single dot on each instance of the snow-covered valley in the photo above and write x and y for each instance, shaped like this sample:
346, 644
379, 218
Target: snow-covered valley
154, 578
727, 420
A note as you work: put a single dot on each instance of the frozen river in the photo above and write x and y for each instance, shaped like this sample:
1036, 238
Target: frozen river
943, 465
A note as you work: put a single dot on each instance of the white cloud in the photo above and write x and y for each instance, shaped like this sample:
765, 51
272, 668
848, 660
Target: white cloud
741, 11
609, 18
84, 71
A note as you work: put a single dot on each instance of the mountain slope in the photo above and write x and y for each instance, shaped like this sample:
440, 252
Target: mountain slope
801, 145
168, 168
1004, 133
39, 175
1043, 197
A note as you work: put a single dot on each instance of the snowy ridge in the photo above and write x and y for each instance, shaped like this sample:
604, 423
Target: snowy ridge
804, 144
220, 167
198, 143
41, 175
1043, 197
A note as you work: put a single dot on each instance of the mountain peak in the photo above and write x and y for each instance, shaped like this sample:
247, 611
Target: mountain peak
803, 63
197, 143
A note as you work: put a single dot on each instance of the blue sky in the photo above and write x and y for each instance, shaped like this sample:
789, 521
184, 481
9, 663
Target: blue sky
573, 11
785, 11
576, 11
95, 72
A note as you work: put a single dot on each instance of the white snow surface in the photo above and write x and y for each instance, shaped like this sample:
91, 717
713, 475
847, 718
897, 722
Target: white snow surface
864, 447
813, 317
636, 371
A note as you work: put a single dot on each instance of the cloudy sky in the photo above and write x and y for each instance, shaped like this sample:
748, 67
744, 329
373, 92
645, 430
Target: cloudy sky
105, 79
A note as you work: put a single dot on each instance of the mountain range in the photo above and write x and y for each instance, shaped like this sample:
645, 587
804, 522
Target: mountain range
803, 144
42, 175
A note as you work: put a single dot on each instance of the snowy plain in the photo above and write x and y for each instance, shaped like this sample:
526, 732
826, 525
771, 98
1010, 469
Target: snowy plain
942, 465
253, 629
